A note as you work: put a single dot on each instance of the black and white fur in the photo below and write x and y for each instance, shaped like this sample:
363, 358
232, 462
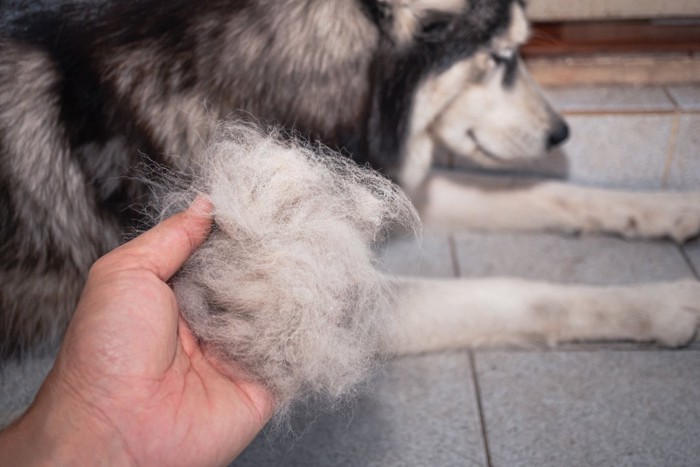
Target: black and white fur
84, 96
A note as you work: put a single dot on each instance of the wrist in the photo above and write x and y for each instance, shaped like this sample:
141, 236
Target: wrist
57, 432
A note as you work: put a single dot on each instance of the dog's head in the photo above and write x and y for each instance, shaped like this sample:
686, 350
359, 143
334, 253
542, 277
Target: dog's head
473, 95
500, 113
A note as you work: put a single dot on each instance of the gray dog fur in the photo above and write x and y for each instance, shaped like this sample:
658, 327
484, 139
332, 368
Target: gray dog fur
286, 285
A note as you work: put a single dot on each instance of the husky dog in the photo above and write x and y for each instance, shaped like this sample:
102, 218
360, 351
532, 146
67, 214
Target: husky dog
83, 96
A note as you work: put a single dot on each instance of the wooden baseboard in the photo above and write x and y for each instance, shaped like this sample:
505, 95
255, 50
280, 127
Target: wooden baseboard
622, 69
614, 37
615, 52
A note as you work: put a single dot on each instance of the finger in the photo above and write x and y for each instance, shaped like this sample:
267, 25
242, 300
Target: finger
164, 249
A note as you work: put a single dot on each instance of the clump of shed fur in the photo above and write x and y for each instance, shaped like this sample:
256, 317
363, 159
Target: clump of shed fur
285, 288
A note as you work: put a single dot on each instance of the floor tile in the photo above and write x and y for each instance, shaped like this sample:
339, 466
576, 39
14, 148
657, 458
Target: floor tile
613, 151
686, 96
594, 260
598, 408
421, 411
427, 256
618, 151
685, 166
609, 98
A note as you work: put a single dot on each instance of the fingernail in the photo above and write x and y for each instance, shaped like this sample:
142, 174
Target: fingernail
201, 205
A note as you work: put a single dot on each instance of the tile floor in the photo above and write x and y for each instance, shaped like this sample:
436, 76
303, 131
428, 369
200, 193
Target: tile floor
611, 404
595, 404
639, 138
579, 405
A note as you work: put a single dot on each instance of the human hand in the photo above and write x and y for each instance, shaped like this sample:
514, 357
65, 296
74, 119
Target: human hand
130, 384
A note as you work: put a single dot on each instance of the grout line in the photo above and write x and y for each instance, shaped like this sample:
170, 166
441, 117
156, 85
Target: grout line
480, 408
623, 112
453, 255
688, 262
671, 98
671, 150
673, 139
588, 347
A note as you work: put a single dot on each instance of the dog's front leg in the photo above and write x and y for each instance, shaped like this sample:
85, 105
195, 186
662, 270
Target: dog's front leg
436, 314
460, 201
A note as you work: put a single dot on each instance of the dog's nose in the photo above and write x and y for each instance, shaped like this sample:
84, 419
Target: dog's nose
558, 135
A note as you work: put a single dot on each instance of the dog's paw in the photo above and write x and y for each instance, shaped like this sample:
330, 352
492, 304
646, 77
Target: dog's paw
662, 215
677, 312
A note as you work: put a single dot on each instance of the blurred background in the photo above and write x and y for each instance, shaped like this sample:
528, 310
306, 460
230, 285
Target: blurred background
615, 41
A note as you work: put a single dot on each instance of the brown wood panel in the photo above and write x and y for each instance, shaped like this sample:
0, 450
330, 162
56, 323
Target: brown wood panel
594, 37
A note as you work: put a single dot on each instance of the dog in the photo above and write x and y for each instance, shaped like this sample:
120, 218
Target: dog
86, 96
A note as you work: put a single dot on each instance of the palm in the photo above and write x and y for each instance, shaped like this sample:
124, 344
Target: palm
129, 355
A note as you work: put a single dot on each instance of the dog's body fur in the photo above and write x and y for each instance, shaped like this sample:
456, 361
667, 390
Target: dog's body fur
385, 81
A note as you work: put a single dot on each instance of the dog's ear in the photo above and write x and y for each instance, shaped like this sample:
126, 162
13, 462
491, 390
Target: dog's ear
406, 20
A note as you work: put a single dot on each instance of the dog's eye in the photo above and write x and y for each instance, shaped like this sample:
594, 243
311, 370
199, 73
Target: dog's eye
433, 29
503, 58
507, 61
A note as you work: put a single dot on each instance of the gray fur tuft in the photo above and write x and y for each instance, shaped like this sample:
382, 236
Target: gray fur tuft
286, 285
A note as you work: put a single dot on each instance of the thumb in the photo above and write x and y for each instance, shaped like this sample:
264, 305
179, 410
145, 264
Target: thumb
163, 249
